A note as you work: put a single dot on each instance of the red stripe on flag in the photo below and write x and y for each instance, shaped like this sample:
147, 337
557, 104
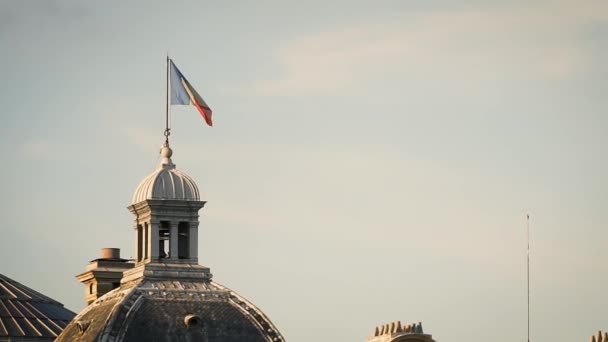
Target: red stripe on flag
205, 112
198, 102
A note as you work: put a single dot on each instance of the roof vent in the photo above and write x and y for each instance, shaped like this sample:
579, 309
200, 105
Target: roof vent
82, 326
192, 321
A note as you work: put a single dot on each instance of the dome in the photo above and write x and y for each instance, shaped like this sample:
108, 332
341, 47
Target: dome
164, 294
166, 182
26, 315
156, 309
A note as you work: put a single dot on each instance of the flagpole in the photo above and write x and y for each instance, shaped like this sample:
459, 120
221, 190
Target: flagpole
167, 130
528, 268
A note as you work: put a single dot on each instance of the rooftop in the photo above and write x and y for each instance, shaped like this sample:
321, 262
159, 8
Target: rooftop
27, 313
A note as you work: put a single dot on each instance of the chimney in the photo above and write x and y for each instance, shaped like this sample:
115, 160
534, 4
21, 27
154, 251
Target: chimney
103, 274
110, 253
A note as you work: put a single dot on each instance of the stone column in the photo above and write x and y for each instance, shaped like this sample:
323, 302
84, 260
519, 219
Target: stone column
135, 242
153, 240
193, 241
142, 247
173, 243
146, 242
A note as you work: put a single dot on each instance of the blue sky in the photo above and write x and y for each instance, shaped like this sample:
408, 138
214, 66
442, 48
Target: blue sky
369, 162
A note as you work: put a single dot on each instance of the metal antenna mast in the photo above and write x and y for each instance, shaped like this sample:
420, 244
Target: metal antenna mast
528, 268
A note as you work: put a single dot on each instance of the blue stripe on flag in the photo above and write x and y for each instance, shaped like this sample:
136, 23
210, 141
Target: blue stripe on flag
179, 95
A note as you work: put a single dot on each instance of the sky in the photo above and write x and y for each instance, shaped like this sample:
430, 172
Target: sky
369, 161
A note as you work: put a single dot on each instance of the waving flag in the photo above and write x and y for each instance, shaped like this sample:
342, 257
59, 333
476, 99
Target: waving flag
182, 93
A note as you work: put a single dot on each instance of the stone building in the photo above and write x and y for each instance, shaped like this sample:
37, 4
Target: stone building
601, 337
103, 274
395, 332
165, 294
29, 316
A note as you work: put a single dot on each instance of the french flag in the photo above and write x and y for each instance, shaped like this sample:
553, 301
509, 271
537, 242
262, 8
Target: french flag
182, 93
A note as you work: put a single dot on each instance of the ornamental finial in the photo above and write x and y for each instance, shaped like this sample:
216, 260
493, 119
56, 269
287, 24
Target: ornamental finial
166, 152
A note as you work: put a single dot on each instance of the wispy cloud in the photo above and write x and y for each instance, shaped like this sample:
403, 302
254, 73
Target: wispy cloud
39, 149
532, 41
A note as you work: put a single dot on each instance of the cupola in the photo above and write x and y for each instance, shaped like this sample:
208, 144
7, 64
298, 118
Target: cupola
166, 205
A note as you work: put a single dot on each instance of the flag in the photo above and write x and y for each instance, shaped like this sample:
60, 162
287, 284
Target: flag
182, 93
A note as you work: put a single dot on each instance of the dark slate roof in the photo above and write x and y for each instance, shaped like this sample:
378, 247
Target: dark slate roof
27, 313
154, 310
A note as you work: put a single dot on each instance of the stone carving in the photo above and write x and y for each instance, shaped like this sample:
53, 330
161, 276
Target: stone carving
397, 332
600, 337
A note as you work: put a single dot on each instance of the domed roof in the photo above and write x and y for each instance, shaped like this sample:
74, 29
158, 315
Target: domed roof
29, 315
166, 182
156, 309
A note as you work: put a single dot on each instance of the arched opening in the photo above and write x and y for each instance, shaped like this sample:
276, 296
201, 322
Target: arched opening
183, 241
164, 238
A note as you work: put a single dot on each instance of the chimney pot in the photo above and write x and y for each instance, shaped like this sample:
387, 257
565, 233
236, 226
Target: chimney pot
110, 253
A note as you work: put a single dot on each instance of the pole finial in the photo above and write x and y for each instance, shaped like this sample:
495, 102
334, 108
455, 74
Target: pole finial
165, 153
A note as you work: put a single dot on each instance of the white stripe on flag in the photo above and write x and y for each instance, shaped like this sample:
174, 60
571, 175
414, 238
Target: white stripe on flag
192, 100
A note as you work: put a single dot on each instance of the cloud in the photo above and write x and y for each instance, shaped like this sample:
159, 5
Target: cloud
368, 189
471, 44
39, 149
